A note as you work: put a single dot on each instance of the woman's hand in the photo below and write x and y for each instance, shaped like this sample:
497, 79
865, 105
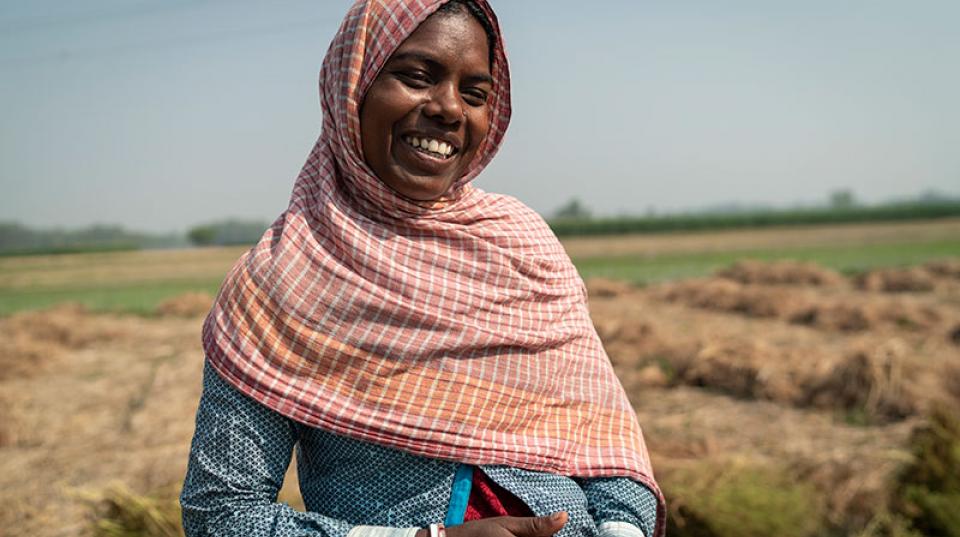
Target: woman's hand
507, 526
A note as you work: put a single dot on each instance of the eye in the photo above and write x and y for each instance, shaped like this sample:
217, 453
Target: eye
414, 78
475, 96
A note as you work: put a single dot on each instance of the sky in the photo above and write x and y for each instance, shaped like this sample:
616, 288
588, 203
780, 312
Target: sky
160, 115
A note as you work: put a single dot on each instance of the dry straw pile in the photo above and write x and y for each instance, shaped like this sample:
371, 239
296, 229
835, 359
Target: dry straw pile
777, 399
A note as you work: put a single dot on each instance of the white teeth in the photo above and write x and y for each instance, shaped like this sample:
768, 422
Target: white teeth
434, 146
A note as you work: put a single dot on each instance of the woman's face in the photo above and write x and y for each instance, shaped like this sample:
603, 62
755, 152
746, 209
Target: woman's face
424, 117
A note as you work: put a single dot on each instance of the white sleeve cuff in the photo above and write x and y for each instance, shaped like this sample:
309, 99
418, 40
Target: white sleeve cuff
382, 531
619, 529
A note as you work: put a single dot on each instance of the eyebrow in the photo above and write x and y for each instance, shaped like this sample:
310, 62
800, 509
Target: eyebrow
475, 78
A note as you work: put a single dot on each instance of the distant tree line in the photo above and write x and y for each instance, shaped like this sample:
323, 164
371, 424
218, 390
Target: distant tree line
17, 239
227, 233
574, 218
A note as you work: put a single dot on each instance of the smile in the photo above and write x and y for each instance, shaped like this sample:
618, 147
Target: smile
430, 146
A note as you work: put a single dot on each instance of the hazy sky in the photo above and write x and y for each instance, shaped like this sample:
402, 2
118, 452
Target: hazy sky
162, 114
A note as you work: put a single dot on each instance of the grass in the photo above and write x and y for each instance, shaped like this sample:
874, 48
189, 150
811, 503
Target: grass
930, 486
741, 500
130, 282
849, 259
122, 513
137, 281
892, 212
137, 298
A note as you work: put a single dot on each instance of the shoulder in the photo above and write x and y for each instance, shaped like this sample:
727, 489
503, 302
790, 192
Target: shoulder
511, 221
516, 210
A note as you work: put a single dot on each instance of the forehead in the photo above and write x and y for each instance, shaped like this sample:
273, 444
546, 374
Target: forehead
455, 38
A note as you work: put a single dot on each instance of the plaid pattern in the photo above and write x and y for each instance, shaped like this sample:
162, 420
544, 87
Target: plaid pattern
455, 329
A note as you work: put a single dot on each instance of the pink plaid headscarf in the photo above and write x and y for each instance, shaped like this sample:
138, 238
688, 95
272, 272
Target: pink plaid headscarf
456, 329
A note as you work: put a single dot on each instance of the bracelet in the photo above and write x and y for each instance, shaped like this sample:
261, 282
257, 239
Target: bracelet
437, 530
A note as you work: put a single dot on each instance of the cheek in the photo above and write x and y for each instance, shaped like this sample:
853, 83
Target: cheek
385, 105
478, 129
374, 126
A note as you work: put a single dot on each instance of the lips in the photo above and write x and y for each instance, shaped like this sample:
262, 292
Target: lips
434, 146
425, 155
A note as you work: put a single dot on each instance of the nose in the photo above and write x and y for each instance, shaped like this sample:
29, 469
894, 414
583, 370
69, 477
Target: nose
445, 104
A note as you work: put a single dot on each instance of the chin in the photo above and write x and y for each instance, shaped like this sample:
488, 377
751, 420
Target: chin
421, 188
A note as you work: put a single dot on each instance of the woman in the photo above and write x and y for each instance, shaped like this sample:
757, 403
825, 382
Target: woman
425, 346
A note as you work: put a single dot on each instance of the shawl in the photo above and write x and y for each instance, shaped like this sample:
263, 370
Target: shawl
455, 329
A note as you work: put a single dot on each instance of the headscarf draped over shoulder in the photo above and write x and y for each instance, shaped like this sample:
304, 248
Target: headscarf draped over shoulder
455, 329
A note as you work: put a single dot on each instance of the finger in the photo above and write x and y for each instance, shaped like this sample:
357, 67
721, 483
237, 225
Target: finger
538, 526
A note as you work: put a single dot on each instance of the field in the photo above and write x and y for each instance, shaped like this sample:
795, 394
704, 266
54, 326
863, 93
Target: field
136, 282
795, 398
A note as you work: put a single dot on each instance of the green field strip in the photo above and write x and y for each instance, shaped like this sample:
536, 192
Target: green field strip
848, 259
140, 298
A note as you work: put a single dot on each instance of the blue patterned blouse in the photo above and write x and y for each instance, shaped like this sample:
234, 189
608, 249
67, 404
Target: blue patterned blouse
241, 451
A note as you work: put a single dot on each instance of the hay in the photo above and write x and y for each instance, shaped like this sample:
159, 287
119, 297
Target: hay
951, 381
954, 335
185, 305
64, 325
851, 314
119, 512
908, 280
733, 297
21, 356
847, 316
746, 369
856, 488
910, 315
872, 381
837, 316
781, 273
929, 487
649, 376
627, 341
945, 268
627, 331
740, 498
708, 386
33, 339
851, 467
605, 288
7, 430
652, 376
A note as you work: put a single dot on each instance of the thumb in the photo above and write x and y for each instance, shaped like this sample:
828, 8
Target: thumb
542, 526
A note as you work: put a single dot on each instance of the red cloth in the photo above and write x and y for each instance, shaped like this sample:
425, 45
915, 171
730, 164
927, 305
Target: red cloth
488, 499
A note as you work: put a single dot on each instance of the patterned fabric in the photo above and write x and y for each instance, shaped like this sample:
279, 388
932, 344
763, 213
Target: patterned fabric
454, 329
487, 499
241, 451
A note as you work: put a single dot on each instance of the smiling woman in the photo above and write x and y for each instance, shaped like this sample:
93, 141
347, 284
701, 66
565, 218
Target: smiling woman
425, 346
424, 117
